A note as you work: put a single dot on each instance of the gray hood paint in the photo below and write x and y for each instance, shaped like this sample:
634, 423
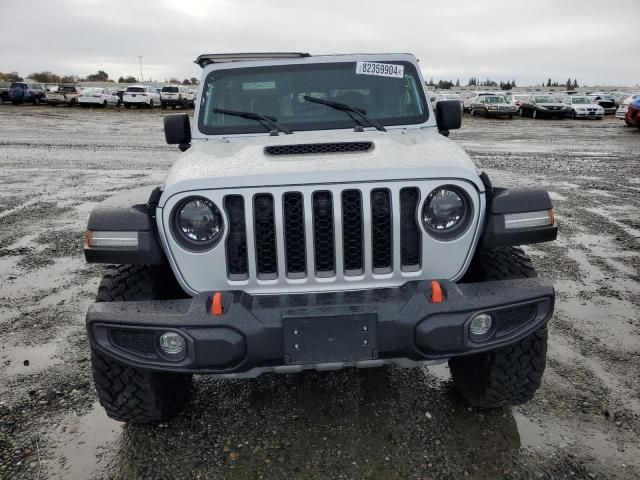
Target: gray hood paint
241, 161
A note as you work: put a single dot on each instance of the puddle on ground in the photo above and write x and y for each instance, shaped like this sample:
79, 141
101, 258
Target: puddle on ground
552, 435
24, 360
82, 444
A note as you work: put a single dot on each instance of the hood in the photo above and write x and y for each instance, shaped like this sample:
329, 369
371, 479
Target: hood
551, 104
398, 154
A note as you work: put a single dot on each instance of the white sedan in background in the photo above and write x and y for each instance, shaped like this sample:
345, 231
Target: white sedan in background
97, 97
141, 95
582, 106
624, 105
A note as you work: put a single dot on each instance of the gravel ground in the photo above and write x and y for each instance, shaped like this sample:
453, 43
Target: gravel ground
57, 163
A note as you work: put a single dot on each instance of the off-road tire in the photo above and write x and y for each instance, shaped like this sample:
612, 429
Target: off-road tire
509, 375
131, 394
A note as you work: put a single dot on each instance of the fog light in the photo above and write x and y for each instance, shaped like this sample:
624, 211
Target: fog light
172, 343
480, 324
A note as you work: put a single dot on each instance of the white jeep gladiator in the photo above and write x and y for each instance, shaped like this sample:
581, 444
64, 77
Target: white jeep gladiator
318, 218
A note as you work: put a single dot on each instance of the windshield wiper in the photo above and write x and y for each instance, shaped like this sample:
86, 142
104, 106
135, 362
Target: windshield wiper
347, 108
255, 116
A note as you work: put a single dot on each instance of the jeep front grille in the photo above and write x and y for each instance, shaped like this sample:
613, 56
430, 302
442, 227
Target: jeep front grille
364, 233
321, 238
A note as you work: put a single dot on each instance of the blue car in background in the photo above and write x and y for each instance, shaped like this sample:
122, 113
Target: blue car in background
23, 92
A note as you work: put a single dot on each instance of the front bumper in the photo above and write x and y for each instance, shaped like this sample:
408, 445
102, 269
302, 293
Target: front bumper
500, 113
589, 114
289, 333
552, 113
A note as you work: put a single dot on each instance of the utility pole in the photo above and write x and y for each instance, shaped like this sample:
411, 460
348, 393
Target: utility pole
140, 59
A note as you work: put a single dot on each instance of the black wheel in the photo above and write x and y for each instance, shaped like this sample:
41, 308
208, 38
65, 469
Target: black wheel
508, 375
163, 105
104, 104
118, 103
36, 100
150, 103
126, 105
131, 394
573, 115
510, 117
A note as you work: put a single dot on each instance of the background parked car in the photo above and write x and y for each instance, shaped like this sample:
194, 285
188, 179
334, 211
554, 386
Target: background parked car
141, 95
606, 101
23, 92
176, 96
466, 102
548, 106
632, 117
445, 96
516, 99
63, 95
624, 105
97, 97
4, 91
492, 106
581, 106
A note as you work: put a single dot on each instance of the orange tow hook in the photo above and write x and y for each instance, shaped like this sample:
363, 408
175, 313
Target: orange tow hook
216, 304
436, 292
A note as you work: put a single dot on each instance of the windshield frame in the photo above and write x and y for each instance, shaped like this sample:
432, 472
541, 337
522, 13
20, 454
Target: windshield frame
407, 61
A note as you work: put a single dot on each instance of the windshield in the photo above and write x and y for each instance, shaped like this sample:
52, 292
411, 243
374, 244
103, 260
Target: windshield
170, 89
64, 88
494, 100
18, 85
135, 89
546, 100
581, 100
451, 96
279, 92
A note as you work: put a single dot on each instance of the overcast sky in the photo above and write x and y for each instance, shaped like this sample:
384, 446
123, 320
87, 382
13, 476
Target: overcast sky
594, 40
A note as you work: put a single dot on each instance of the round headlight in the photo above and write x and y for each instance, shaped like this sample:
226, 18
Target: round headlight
446, 212
198, 223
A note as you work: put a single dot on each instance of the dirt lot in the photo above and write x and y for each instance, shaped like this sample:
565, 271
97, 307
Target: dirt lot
57, 163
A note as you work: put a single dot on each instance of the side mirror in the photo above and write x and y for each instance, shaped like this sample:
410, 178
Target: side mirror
448, 116
177, 130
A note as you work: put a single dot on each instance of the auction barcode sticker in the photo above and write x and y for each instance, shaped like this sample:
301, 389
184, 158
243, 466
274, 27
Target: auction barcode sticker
380, 69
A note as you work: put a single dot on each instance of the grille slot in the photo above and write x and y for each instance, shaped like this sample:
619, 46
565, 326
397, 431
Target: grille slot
138, 342
237, 264
381, 230
294, 238
352, 232
265, 236
323, 233
318, 148
410, 235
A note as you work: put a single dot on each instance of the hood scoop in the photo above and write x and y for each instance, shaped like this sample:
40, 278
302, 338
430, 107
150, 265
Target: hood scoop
318, 148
